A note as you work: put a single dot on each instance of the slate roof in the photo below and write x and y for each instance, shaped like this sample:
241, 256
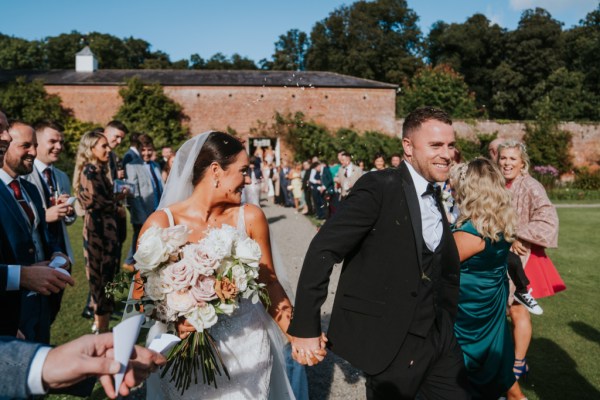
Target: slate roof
113, 77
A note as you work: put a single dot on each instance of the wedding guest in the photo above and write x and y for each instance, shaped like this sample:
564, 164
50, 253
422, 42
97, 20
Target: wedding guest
24, 219
165, 154
378, 162
316, 190
328, 190
94, 190
483, 232
54, 187
537, 230
296, 182
166, 170
252, 189
347, 175
395, 160
25, 245
30, 369
145, 175
306, 188
397, 294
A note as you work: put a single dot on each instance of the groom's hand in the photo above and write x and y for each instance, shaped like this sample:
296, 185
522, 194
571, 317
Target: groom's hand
309, 351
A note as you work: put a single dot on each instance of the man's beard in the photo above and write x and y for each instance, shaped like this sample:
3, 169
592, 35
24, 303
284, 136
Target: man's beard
22, 169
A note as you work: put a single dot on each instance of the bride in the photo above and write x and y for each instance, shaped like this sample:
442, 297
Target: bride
204, 191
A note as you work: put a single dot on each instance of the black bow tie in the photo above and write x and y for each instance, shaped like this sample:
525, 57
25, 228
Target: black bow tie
434, 190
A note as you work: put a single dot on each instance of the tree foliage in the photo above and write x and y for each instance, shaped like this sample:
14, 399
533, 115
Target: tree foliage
147, 109
474, 49
220, 61
546, 143
375, 40
439, 87
29, 102
290, 51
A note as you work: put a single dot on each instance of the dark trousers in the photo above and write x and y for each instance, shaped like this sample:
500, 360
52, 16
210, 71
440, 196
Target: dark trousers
430, 368
134, 239
517, 273
318, 203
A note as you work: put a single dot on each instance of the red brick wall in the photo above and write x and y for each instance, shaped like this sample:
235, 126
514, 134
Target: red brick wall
241, 107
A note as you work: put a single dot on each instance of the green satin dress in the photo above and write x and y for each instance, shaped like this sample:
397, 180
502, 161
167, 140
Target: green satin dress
481, 326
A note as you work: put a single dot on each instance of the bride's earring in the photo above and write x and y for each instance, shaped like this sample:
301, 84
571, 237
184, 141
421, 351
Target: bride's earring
216, 183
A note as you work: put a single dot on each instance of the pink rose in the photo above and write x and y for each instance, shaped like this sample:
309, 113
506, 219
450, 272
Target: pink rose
204, 262
204, 289
181, 302
180, 275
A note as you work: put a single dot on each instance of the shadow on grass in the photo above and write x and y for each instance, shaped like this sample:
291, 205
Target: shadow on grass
554, 374
586, 331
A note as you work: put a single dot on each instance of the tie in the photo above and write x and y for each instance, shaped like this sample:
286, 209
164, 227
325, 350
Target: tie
435, 191
49, 179
155, 179
16, 187
346, 172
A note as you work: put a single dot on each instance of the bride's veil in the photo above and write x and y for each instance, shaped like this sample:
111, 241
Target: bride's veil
179, 183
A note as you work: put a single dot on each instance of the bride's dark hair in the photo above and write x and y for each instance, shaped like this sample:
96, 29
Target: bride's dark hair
219, 147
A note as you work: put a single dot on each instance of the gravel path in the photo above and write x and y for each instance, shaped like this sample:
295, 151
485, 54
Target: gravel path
334, 378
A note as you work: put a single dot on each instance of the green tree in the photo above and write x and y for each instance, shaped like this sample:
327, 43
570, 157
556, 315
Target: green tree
29, 102
375, 40
546, 143
473, 49
534, 50
566, 96
220, 61
147, 109
16, 53
290, 51
582, 50
438, 87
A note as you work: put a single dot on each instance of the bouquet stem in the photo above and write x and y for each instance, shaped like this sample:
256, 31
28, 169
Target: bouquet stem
196, 353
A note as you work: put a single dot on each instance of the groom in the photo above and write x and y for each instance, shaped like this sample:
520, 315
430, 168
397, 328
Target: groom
397, 296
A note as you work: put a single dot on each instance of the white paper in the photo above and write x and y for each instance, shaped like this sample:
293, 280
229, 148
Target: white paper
164, 343
124, 336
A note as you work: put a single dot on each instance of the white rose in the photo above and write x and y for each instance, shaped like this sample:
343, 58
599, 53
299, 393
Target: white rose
248, 251
181, 302
155, 288
175, 237
224, 267
151, 251
202, 318
220, 241
238, 274
179, 275
226, 308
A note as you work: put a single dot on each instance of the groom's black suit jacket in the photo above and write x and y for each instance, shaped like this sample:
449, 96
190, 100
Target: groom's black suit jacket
378, 234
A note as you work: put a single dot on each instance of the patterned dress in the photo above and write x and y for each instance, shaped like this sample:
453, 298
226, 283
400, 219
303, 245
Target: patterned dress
100, 239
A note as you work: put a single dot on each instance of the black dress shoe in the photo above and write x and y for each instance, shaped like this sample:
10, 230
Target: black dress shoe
87, 313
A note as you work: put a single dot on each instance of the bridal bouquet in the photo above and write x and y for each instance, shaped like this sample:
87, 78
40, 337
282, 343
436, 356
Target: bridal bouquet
199, 282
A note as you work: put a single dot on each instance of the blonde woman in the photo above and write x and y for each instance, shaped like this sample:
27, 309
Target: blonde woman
484, 231
538, 229
94, 190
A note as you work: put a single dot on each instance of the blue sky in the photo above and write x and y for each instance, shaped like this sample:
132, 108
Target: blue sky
247, 27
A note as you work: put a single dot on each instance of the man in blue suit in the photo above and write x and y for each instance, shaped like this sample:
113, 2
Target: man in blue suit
54, 188
145, 175
25, 242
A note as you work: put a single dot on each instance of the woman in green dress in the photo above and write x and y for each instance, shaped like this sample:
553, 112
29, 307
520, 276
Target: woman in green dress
483, 232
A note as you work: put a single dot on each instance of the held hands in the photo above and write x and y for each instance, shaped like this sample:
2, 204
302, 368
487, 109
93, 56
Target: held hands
92, 355
309, 351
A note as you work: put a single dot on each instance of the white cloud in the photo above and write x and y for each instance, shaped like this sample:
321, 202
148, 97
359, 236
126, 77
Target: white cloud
495, 17
553, 5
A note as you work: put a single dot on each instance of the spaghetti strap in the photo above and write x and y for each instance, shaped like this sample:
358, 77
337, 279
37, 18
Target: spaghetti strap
241, 225
169, 216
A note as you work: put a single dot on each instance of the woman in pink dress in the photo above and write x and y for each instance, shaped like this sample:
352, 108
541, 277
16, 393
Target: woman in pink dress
537, 230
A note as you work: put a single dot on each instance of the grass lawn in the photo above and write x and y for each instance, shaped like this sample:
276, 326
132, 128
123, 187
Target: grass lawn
564, 356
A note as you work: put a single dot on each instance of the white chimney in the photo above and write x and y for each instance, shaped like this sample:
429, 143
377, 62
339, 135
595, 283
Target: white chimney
85, 61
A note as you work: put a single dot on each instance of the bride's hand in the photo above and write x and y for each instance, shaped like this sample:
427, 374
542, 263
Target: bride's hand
309, 351
184, 328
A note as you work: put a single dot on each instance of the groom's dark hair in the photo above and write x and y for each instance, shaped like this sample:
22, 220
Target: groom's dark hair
219, 147
417, 117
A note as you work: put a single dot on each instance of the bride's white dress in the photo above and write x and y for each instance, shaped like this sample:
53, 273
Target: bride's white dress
251, 345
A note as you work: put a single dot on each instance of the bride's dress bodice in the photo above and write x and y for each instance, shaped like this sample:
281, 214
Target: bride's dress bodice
250, 343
